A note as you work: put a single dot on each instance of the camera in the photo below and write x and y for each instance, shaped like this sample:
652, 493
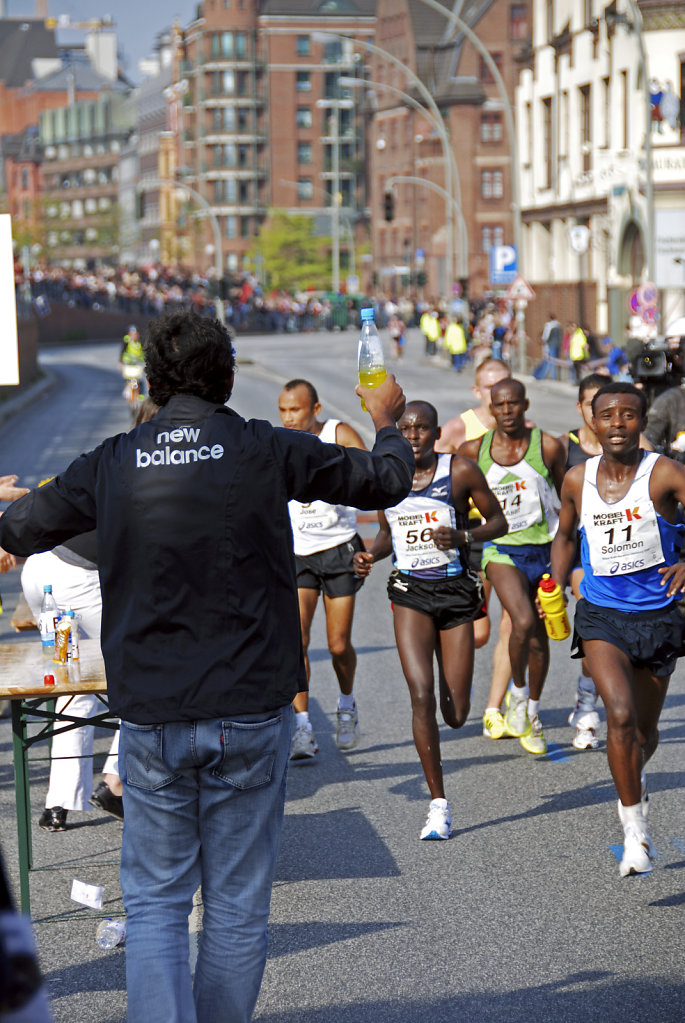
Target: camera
659, 366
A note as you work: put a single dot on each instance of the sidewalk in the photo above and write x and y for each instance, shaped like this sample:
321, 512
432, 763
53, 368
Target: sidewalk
26, 395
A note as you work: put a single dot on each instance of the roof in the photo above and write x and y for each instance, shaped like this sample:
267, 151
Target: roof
22, 40
79, 75
438, 49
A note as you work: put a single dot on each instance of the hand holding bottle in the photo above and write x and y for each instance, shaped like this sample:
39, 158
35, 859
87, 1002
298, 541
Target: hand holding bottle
385, 403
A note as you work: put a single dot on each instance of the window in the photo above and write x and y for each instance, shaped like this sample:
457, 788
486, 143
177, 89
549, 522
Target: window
231, 227
518, 21
485, 72
491, 184
491, 127
547, 141
304, 152
625, 106
303, 81
240, 45
491, 234
585, 126
304, 117
244, 191
305, 188
303, 46
245, 224
24, 178
606, 128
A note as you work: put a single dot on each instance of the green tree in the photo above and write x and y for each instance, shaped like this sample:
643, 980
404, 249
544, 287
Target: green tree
293, 256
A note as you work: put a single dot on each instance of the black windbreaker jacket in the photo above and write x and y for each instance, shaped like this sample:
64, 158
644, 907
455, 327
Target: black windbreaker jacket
200, 615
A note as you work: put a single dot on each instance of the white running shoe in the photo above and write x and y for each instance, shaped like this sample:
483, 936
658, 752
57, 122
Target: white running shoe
638, 852
304, 745
438, 822
347, 727
586, 703
587, 724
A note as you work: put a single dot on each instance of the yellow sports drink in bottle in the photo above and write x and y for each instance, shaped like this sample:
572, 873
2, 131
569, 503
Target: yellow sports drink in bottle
552, 603
370, 359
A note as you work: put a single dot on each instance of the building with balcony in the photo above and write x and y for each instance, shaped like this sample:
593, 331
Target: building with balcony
263, 121
601, 218
81, 148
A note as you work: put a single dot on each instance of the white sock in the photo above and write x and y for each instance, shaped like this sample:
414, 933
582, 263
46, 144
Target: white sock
346, 701
633, 815
586, 685
533, 708
441, 804
519, 693
302, 718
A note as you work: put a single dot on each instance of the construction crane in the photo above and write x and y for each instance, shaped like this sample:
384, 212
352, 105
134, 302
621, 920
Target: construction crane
92, 25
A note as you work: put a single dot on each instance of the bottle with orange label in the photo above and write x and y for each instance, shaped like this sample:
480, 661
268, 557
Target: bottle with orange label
552, 603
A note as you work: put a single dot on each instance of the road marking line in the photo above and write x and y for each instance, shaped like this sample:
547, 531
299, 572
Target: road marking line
555, 752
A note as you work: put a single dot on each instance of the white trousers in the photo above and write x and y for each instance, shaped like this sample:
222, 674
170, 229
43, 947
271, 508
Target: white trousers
71, 769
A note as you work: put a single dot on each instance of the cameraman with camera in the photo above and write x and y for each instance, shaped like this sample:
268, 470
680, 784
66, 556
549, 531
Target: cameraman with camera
666, 421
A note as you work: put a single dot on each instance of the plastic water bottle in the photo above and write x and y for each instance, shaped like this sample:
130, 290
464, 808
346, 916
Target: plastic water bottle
370, 361
552, 603
71, 615
48, 617
110, 933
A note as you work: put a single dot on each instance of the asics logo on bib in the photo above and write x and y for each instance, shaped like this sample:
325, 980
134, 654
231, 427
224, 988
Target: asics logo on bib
167, 455
626, 566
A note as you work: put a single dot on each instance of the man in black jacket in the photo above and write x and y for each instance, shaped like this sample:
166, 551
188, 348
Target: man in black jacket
201, 640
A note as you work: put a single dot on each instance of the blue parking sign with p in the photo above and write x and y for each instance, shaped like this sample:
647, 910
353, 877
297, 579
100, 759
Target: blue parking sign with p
503, 264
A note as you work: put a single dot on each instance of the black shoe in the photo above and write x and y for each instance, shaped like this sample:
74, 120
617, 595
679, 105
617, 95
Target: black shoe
104, 799
53, 818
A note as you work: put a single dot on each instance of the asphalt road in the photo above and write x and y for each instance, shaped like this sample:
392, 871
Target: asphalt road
521, 915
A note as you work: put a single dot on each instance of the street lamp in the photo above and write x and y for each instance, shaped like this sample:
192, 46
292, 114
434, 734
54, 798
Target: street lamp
201, 201
454, 202
325, 36
334, 121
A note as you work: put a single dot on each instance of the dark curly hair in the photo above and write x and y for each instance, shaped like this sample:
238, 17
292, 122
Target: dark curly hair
188, 354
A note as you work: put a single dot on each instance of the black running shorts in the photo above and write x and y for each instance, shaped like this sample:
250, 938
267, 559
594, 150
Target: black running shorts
649, 639
331, 571
449, 602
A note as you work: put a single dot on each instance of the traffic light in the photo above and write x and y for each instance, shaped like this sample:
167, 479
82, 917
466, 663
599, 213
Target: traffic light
389, 206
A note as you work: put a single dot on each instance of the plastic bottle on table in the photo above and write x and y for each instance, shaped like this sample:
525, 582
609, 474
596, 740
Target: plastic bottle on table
74, 635
48, 617
371, 363
110, 933
552, 603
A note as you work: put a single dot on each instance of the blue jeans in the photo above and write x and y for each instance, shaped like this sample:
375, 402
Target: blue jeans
203, 805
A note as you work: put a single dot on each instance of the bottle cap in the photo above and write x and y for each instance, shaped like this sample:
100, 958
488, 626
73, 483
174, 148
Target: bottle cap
367, 313
547, 584
47, 588
48, 680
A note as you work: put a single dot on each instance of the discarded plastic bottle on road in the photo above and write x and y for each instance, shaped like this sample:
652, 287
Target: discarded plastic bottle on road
110, 933
371, 363
48, 617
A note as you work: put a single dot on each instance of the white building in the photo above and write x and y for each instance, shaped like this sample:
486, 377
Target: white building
582, 115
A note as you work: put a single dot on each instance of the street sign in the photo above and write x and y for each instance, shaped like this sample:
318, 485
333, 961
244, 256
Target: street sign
520, 289
503, 264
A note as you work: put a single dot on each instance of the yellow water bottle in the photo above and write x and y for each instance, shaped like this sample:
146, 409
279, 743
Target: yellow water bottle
370, 361
552, 603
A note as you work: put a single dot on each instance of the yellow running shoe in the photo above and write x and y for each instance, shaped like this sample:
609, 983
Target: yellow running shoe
532, 740
493, 724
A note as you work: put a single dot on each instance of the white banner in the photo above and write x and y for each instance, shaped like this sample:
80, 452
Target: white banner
669, 248
9, 344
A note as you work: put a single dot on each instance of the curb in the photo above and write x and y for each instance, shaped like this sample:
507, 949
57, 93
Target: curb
14, 405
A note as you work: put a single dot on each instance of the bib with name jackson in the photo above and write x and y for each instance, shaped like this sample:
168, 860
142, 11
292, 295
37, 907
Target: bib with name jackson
413, 520
624, 536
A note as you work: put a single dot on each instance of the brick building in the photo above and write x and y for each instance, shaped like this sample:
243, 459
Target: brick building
405, 142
